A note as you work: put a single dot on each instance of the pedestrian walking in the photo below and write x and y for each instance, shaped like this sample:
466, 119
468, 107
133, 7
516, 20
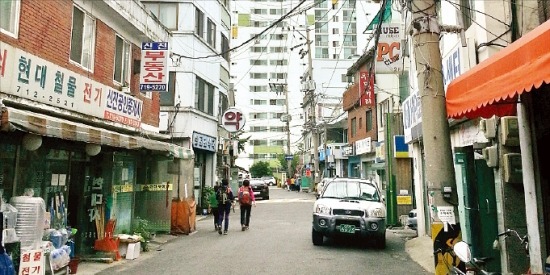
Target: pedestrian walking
225, 199
246, 200
288, 183
213, 205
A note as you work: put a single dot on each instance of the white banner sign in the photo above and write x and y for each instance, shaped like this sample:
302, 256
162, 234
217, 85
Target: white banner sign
388, 53
363, 146
28, 76
154, 67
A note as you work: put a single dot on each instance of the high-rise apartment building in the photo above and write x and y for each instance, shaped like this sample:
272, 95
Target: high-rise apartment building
278, 55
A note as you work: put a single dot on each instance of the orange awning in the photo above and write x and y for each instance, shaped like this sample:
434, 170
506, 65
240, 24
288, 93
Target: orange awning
491, 87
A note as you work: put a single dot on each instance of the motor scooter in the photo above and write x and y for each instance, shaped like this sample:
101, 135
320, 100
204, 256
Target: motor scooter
477, 265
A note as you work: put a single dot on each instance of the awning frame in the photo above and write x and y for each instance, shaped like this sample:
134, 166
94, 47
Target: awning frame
15, 119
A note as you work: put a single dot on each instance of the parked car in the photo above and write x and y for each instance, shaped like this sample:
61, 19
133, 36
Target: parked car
411, 220
270, 180
260, 188
349, 207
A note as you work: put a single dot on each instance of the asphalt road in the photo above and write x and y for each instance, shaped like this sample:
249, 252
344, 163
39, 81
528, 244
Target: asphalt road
278, 242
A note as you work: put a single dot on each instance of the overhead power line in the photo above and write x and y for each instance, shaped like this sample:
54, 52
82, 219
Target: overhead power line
274, 24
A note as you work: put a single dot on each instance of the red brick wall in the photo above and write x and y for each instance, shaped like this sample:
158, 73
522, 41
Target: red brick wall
45, 31
350, 103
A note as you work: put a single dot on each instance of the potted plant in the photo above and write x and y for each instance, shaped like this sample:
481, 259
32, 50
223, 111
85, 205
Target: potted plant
207, 191
125, 88
141, 228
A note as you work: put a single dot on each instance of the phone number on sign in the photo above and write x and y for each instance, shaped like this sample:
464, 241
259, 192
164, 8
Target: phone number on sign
152, 87
52, 99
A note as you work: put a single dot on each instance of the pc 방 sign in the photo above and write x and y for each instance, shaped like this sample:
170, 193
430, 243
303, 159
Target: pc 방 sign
388, 53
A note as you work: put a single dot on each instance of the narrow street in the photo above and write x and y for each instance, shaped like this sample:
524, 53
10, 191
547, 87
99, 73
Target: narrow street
278, 242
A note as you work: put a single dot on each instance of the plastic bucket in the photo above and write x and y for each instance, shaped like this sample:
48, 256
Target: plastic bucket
73, 265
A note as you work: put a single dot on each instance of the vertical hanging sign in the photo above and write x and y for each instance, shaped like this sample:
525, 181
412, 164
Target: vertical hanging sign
366, 89
154, 67
388, 56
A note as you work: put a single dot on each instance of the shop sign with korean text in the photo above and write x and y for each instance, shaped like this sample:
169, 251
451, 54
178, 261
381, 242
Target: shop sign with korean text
204, 142
363, 146
31, 262
412, 117
366, 88
388, 50
154, 67
233, 120
28, 76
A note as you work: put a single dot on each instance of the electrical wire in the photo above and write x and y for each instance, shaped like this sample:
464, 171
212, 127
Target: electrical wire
274, 24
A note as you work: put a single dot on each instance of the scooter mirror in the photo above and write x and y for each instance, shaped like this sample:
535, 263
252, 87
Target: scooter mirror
462, 251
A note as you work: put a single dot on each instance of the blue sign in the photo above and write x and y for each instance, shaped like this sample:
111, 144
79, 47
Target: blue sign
162, 46
401, 149
289, 157
451, 67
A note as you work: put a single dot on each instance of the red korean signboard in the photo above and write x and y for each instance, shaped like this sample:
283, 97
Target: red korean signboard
233, 120
366, 89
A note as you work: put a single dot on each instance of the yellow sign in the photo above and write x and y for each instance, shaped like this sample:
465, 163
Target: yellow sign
154, 187
124, 188
404, 200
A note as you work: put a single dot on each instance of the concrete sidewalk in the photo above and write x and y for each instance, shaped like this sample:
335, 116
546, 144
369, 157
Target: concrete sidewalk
420, 249
91, 268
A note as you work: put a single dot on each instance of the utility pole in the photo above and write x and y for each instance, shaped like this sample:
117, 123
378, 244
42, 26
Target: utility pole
439, 172
314, 130
288, 161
